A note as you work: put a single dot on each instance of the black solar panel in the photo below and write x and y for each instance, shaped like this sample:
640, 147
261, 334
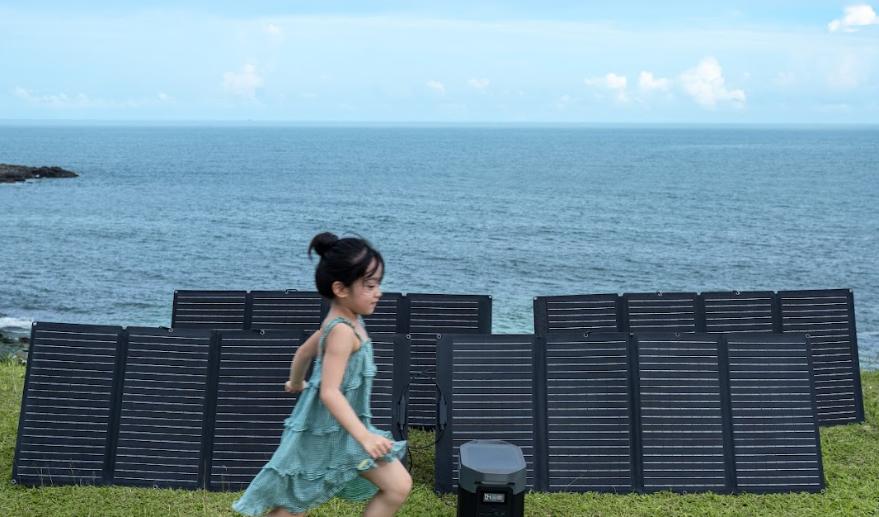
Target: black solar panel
272, 310
251, 404
66, 409
489, 385
740, 312
775, 433
388, 316
163, 408
286, 310
214, 310
661, 312
684, 444
828, 317
588, 410
592, 312
182, 408
428, 316
391, 354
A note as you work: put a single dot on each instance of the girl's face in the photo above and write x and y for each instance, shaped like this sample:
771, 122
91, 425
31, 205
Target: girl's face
365, 292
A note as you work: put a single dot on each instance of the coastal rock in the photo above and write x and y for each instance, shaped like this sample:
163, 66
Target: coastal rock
12, 173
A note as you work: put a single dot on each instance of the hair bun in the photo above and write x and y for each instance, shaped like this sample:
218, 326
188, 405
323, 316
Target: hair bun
322, 242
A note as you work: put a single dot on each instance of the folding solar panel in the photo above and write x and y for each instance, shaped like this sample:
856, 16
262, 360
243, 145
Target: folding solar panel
272, 310
489, 386
591, 312
662, 312
740, 312
388, 316
66, 410
429, 315
828, 317
391, 355
215, 310
163, 408
251, 404
286, 310
684, 442
589, 415
775, 432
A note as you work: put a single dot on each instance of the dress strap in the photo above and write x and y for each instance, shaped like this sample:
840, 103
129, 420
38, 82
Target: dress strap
326, 331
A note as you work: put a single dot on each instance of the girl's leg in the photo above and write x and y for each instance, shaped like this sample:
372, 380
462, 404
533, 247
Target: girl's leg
280, 512
394, 484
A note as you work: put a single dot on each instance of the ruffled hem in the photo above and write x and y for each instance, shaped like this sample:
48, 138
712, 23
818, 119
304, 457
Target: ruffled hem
283, 484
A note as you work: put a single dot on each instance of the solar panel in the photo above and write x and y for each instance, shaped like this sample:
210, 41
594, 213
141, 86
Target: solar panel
183, 408
684, 446
489, 385
391, 354
828, 316
214, 310
66, 408
740, 312
251, 404
593, 312
686, 412
661, 312
163, 408
388, 316
775, 432
428, 316
588, 411
272, 310
286, 310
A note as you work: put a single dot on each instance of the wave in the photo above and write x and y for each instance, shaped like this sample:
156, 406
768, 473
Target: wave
17, 325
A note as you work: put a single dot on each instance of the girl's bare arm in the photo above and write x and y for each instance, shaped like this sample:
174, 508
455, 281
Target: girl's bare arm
302, 358
338, 347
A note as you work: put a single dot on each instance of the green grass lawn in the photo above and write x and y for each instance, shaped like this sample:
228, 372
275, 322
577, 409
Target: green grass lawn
851, 466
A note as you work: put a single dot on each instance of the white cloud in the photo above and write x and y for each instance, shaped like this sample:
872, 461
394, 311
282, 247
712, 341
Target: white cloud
244, 83
79, 101
163, 97
59, 100
437, 86
705, 83
648, 83
855, 16
479, 84
613, 82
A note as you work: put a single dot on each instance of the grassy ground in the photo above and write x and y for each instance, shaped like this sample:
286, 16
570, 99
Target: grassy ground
851, 464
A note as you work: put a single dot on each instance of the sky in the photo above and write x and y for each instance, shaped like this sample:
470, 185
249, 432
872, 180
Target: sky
767, 61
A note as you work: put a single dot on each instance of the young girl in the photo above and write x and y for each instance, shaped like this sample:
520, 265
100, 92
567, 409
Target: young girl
329, 447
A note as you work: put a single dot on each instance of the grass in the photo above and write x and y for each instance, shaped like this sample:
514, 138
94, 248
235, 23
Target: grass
851, 466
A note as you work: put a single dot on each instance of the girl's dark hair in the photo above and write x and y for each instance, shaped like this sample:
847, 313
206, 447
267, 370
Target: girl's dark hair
342, 260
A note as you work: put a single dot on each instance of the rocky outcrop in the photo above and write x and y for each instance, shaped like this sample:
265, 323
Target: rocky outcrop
12, 173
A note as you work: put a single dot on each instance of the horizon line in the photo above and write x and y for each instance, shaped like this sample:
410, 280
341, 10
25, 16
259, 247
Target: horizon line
415, 123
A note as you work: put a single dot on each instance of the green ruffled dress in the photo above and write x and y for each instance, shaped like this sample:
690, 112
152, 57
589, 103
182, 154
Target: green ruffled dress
317, 458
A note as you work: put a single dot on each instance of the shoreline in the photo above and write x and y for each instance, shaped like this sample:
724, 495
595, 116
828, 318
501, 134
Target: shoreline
14, 346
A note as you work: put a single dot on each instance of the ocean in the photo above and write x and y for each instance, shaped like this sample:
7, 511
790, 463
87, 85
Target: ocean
514, 212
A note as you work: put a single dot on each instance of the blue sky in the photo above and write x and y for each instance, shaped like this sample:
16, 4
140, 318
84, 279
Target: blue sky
453, 62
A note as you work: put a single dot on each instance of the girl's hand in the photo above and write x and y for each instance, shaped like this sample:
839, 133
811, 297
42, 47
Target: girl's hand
376, 445
289, 387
